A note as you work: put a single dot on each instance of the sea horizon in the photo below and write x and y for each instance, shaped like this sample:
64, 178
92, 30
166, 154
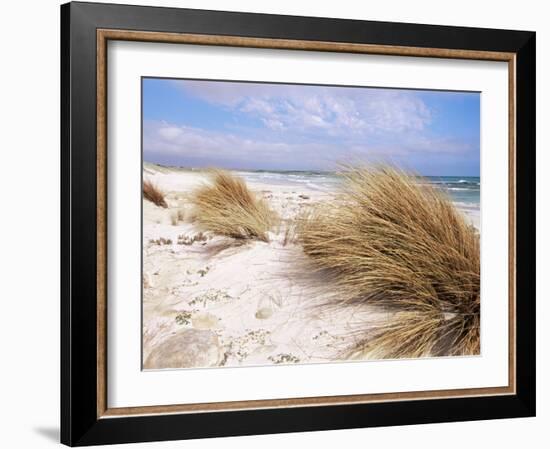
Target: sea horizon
463, 189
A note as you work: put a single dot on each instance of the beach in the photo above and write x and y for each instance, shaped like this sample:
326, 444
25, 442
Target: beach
237, 303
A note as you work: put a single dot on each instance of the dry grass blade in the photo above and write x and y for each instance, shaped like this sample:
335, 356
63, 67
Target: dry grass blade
154, 194
290, 233
227, 207
393, 241
407, 334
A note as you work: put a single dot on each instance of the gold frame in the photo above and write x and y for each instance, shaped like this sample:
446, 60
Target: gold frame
103, 36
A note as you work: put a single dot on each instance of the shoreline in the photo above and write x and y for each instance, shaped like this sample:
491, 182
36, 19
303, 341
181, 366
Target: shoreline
185, 179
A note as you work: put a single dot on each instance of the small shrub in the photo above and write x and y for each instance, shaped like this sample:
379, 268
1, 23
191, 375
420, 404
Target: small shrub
283, 358
160, 241
184, 318
186, 240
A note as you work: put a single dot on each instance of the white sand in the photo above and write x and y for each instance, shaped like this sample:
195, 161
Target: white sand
254, 302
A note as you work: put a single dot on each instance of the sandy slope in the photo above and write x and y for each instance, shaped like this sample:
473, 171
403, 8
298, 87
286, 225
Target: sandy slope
213, 302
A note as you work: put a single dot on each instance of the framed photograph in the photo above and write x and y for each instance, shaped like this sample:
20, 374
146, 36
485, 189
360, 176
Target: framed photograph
280, 224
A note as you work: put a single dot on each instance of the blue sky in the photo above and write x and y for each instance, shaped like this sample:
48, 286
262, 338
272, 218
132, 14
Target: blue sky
295, 127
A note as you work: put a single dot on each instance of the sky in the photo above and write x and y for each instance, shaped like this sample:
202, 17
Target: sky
266, 126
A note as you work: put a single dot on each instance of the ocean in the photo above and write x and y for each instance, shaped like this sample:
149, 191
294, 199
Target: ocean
463, 190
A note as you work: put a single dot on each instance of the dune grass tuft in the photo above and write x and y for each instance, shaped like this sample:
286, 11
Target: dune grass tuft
227, 207
392, 241
152, 193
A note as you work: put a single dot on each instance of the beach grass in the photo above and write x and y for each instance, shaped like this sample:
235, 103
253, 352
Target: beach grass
152, 193
392, 241
227, 207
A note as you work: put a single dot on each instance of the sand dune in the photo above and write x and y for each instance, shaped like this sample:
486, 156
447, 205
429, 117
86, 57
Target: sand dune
230, 303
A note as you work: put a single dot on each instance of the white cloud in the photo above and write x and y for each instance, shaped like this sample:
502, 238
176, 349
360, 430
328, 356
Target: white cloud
194, 146
185, 145
306, 109
169, 132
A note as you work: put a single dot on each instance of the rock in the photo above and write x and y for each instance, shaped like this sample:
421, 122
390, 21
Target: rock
204, 320
189, 348
264, 313
304, 197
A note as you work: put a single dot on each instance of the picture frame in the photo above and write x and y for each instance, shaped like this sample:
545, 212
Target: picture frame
86, 30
